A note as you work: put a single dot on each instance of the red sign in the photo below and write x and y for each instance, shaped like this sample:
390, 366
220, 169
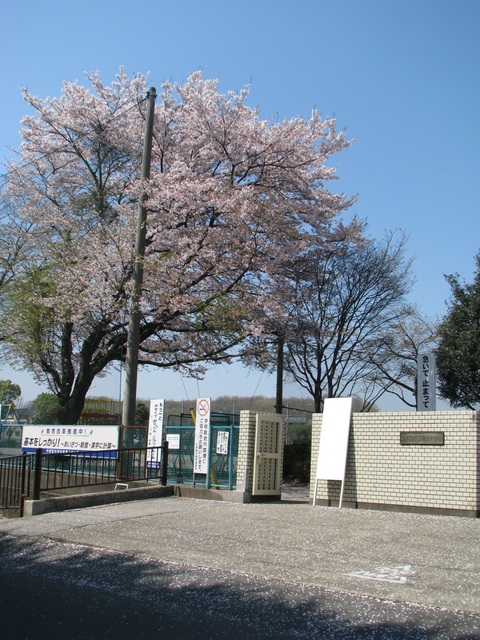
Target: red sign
203, 407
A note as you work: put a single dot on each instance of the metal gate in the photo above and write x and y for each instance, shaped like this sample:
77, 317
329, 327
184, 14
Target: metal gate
267, 467
15, 481
223, 454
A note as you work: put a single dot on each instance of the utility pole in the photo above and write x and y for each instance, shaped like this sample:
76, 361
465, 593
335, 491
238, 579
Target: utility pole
133, 343
279, 390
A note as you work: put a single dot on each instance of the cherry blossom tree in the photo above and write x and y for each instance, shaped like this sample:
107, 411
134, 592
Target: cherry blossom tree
230, 195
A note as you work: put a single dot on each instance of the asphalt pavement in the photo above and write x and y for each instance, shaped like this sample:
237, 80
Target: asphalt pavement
187, 568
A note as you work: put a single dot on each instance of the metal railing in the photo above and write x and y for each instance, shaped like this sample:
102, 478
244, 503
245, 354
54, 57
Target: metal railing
29, 475
73, 470
15, 481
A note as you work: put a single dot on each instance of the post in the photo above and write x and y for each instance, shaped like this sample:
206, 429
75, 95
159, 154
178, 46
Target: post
131, 363
37, 478
164, 463
23, 487
230, 455
279, 393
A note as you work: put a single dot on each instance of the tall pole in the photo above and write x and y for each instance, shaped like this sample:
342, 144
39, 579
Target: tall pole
133, 343
279, 390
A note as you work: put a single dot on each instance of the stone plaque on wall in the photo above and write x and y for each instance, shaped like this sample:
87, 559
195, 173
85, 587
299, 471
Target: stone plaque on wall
435, 438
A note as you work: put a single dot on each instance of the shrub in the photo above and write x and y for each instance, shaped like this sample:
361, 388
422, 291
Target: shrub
296, 462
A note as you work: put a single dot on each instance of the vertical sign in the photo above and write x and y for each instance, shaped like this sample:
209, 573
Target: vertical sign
426, 382
154, 434
222, 442
202, 436
332, 453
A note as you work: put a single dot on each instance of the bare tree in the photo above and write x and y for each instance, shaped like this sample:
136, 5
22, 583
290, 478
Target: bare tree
395, 355
12, 240
337, 306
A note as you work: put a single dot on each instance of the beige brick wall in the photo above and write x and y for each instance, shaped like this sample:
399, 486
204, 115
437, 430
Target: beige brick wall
246, 450
385, 474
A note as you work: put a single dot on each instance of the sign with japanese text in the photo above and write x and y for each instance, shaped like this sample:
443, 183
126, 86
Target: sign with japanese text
173, 440
69, 438
222, 442
426, 382
435, 438
155, 432
202, 436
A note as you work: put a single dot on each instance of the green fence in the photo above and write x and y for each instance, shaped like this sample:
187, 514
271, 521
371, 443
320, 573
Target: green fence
223, 454
10, 435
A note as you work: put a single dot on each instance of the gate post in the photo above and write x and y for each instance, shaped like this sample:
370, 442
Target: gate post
246, 454
24, 479
164, 469
37, 478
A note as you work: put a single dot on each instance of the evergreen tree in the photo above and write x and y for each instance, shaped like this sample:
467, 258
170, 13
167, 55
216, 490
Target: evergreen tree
458, 354
45, 407
9, 391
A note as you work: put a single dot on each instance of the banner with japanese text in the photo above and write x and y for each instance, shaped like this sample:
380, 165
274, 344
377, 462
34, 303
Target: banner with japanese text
426, 382
202, 436
155, 432
69, 438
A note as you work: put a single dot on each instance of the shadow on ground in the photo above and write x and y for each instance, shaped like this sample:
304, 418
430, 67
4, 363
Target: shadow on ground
50, 590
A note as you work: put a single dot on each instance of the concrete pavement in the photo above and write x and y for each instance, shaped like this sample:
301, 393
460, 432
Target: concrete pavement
394, 559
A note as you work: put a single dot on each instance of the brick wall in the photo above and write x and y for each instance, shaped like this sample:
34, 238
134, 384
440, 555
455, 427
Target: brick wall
246, 451
382, 473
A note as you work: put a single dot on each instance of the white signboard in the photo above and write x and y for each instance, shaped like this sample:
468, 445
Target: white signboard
154, 434
69, 438
426, 382
173, 440
222, 442
202, 436
332, 454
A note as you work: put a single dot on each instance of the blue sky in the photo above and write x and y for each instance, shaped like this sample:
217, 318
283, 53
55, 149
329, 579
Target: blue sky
401, 77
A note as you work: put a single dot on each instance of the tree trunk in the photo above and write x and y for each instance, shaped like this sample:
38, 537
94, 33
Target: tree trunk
71, 408
70, 413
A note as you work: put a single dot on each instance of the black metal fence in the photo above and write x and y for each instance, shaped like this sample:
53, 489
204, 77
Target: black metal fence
15, 481
30, 475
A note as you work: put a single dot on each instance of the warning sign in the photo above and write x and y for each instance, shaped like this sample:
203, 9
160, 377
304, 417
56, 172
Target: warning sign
202, 436
203, 407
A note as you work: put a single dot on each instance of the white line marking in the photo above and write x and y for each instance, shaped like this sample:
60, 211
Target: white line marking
397, 575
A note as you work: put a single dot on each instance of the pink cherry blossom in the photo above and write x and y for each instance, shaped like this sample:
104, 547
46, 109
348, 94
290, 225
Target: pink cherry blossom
231, 196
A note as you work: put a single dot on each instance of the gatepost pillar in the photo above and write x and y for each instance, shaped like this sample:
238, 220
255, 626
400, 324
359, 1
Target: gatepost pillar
246, 454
